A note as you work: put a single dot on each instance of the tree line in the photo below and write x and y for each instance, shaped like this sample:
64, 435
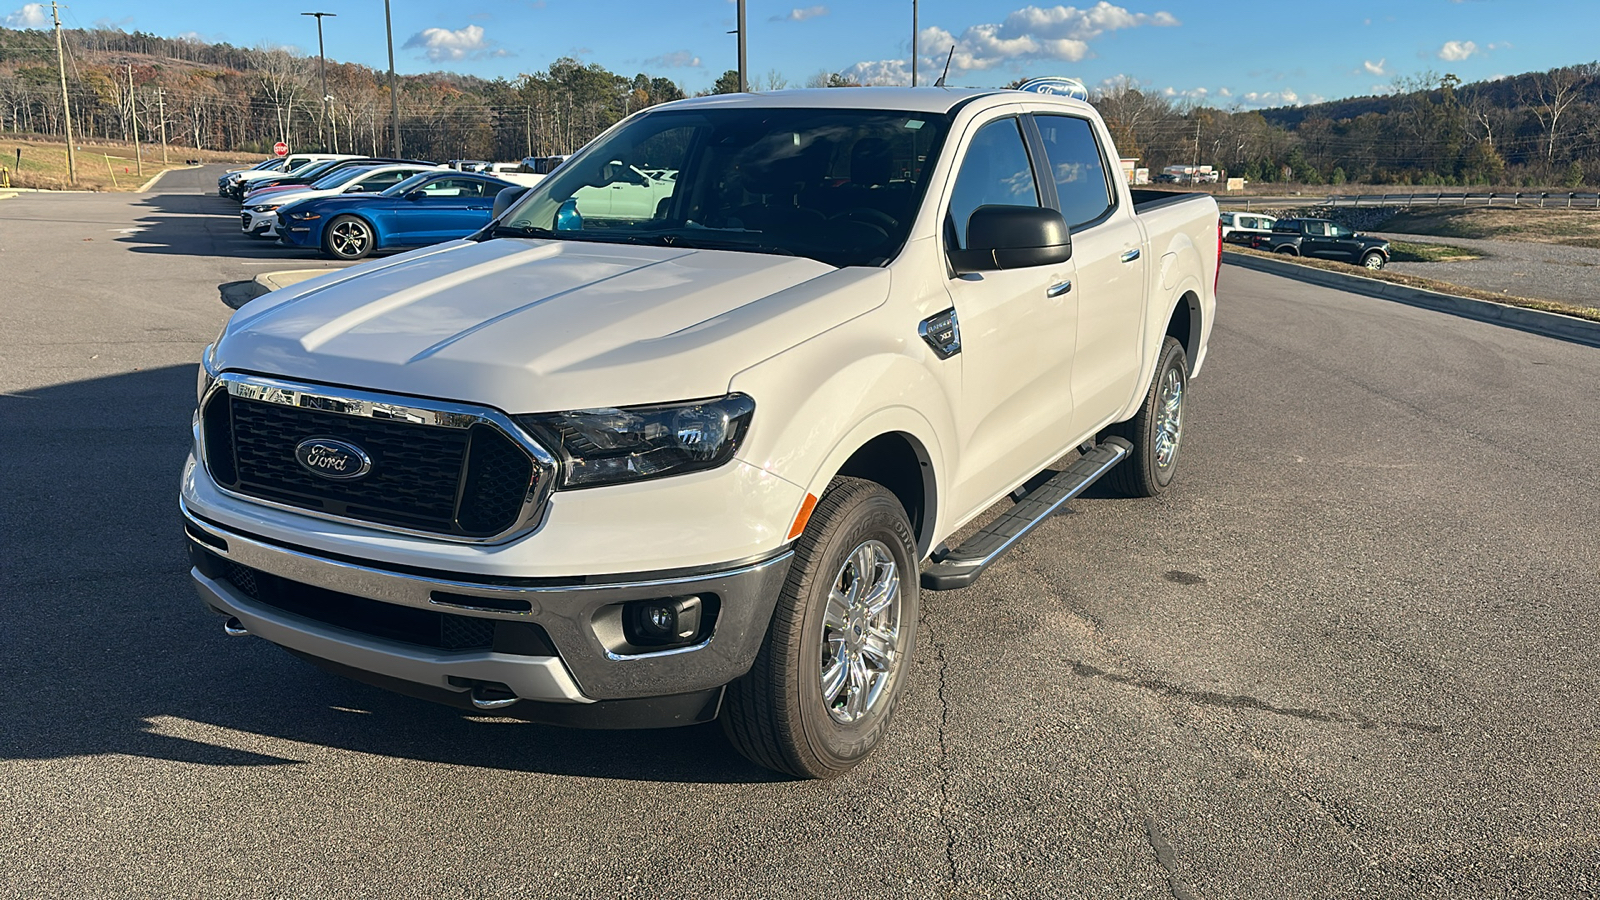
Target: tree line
1534, 129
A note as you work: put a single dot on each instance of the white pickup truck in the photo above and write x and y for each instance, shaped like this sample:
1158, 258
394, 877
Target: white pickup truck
699, 462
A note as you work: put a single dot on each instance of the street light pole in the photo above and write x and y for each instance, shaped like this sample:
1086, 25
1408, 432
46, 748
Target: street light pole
322, 69
913, 43
394, 95
744, 79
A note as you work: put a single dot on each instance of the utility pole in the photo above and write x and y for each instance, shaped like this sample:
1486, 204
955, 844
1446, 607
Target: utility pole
322, 69
66, 104
161, 101
913, 43
527, 126
744, 80
133, 107
394, 89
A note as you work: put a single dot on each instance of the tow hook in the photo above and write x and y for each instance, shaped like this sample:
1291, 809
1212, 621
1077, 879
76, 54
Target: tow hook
492, 697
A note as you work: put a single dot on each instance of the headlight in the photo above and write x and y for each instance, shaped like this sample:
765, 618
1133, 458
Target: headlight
264, 207
608, 446
208, 366
305, 216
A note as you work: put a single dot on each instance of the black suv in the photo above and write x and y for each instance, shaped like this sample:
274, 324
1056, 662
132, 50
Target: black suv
1322, 239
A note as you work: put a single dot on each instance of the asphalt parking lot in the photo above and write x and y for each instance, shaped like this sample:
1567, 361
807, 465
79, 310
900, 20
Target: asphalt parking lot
1351, 652
1519, 268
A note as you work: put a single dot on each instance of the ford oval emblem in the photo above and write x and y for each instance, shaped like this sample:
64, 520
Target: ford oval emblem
333, 459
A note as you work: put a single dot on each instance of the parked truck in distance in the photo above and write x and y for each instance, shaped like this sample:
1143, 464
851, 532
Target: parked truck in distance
605, 465
1322, 239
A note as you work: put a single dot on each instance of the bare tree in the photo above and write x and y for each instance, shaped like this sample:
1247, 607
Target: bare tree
280, 77
1550, 96
775, 80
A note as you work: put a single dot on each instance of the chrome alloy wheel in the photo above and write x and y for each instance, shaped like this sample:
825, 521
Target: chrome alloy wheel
1372, 261
861, 633
350, 238
1169, 419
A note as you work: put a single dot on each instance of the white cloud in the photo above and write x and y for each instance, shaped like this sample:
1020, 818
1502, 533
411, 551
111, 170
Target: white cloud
800, 15
1455, 51
893, 72
1285, 97
1375, 68
443, 44
31, 15
680, 59
1060, 33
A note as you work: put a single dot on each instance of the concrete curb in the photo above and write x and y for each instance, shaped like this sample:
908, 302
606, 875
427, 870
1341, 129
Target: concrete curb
1555, 325
274, 280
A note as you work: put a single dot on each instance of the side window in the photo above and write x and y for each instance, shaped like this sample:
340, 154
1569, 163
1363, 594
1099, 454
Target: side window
449, 187
995, 172
1316, 229
1075, 165
384, 180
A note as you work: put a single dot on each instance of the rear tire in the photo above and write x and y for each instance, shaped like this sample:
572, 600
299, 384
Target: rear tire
831, 671
1156, 431
1287, 251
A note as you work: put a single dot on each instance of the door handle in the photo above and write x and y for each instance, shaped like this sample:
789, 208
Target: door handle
1057, 290
1131, 255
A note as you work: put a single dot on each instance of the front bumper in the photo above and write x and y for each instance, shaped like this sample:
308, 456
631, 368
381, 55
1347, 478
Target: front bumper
258, 224
588, 661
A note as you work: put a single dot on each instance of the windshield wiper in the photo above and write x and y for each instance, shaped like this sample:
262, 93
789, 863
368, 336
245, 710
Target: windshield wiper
524, 231
700, 242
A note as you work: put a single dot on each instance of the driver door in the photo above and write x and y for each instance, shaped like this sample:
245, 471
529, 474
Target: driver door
1018, 329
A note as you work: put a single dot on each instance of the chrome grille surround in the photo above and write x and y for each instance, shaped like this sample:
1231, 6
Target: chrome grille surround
387, 407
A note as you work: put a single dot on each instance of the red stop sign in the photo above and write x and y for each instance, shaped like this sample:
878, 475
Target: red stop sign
280, 148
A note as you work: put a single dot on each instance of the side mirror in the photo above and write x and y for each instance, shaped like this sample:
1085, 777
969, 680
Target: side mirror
416, 195
355, 189
1012, 237
567, 216
504, 200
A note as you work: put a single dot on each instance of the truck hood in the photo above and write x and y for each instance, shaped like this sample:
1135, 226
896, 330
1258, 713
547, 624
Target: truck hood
532, 326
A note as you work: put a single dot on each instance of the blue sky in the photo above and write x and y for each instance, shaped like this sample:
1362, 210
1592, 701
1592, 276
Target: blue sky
1244, 53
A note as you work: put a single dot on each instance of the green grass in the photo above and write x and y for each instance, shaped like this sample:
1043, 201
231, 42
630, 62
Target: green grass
1406, 251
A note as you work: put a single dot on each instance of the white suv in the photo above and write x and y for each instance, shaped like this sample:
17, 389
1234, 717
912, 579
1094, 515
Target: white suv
1241, 225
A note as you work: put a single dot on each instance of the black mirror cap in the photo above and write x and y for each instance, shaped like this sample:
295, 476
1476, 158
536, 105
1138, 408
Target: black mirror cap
1013, 237
504, 199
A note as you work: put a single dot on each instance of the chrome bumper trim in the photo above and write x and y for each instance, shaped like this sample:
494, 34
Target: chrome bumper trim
542, 678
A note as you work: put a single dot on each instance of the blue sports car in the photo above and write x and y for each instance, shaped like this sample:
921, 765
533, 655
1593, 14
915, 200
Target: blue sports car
424, 209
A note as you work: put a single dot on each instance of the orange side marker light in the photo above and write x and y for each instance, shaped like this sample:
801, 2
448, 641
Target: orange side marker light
804, 516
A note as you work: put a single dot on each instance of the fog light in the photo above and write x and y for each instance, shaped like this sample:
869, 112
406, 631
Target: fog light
664, 622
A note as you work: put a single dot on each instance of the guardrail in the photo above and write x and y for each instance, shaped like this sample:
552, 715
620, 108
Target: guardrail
1542, 200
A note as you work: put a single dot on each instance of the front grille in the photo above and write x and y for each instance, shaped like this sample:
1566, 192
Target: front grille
244, 219
470, 482
403, 624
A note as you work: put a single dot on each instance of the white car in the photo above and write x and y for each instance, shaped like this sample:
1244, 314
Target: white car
238, 183
261, 219
1237, 227
648, 472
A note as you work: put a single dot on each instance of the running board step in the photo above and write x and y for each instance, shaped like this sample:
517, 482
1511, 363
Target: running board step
960, 567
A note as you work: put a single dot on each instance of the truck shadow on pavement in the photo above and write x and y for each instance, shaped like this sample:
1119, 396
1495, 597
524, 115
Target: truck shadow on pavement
108, 651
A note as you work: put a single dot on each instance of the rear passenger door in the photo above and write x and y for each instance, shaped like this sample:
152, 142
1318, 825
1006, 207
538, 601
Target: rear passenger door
1107, 248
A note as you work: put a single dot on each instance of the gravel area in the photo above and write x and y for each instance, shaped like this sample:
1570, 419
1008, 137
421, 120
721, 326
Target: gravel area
1519, 268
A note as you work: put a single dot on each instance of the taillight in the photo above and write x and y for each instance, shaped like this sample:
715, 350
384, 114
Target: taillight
1217, 278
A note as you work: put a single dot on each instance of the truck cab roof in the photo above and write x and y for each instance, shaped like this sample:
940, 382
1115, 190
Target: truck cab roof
927, 100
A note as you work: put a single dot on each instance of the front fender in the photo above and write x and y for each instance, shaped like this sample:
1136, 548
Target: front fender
819, 402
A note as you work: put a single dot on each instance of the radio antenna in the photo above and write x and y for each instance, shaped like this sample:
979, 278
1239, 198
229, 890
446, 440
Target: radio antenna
946, 73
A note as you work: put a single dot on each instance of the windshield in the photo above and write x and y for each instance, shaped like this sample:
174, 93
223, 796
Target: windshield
307, 168
405, 186
839, 186
340, 176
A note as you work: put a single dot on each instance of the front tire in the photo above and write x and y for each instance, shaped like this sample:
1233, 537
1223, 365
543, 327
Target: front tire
348, 238
836, 657
1373, 260
1156, 431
